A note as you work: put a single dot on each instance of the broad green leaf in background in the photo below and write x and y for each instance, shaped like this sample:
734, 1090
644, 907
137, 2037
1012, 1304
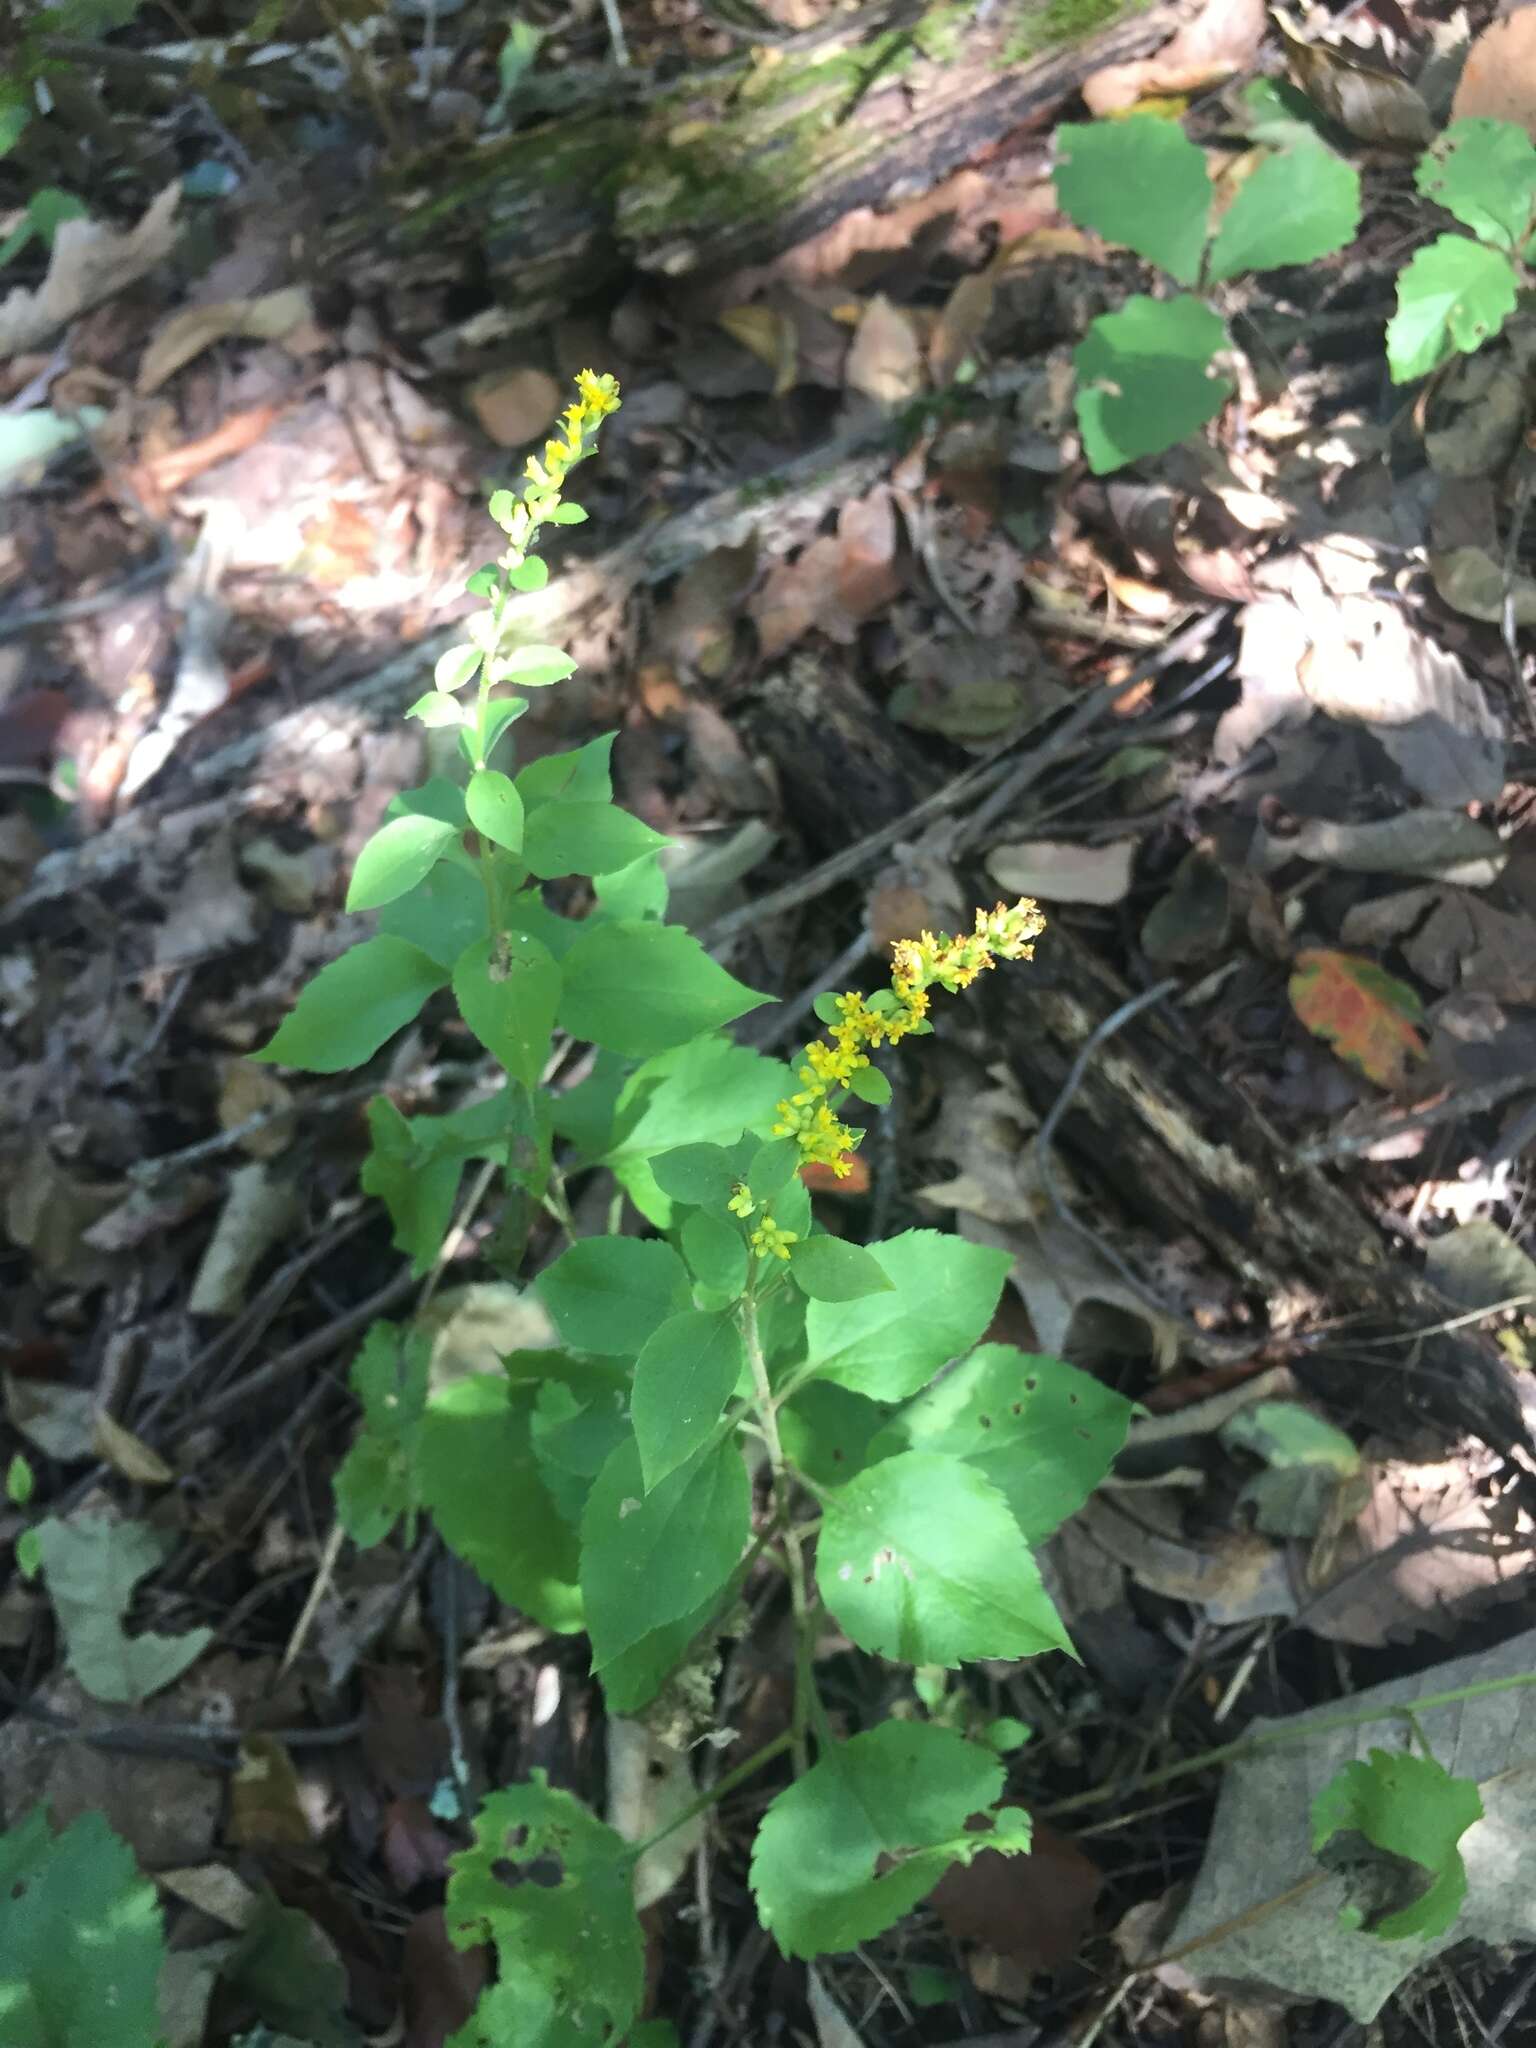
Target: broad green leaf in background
92, 1565
1141, 182
480, 1479
943, 1294
579, 1419
507, 990
442, 916
80, 1939
844, 1852
1455, 294
376, 1482
1042, 1432
395, 859
641, 988
1414, 1813
683, 1378
581, 774
1299, 204
353, 1005
920, 1559
1484, 172
830, 1269
549, 1885
495, 809
649, 1559
1368, 1016
1144, 379
609, 1294
415, 1164
574, 838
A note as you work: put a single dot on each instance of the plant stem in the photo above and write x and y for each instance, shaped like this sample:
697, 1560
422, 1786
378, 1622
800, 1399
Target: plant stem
1272, 1738
721, 1789
778, 1468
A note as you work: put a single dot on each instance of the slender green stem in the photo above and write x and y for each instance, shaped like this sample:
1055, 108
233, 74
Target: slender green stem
721, 1789
1279, 1738
778, 1468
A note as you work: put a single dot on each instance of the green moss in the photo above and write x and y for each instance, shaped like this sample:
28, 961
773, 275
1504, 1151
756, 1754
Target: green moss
1062, 21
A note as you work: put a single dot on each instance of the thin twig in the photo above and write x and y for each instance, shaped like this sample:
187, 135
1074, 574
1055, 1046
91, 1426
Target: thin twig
1350, 1144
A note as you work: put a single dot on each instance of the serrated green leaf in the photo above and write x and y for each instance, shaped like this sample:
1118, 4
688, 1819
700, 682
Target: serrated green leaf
651, 1559
442, 916
640, 988
1414, 1813
532, 668
844, 1852
551, 1887
944, 1292
376, 1482
460, 665
831, 1269
1143, 379
574, 838
609, 1294
1140, 182
1042, 1432
920, 1558
92, 1565
1484, 172
81, 1943
395, 859
507, 990
1299, 204
685, 1374
716, 1252
353, 1005
1455, 294
480, 1478
495, 809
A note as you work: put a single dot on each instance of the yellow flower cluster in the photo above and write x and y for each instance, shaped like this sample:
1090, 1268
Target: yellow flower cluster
1006, 933
768, 1238
598, 396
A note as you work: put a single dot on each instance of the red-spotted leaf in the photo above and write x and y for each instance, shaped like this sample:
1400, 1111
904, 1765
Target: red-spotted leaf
1365, 1014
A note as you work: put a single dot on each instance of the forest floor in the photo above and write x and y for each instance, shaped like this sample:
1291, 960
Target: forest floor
877, 647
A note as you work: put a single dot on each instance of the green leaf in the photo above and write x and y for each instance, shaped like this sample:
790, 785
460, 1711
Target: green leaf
1412, 1813
831, 1269
442, 916
1143, 378
716, 1253
530, 575
828, 1433
552, 1888
639, 988
1484, 172
435, 710
705, 1092
609, 1294
496, 715
495, 808
376, 1482
1042, 1432
460, 665
480, 1478
395, 859
774, 1166
920, 1558
1140, 182
80, 1939
871, 1086
507, 990
353, 1005
1299, 204
1455, 294
580, 1417
437, 798
638, 890
943, 1295
825, 1007
567, 514
415, 1164
684, 1376
20, 1481
532, 668
844, 1852
701, 1175
92, 1565
651, 1559
571, 838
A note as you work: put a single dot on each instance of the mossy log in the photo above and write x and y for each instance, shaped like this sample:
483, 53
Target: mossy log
612, 171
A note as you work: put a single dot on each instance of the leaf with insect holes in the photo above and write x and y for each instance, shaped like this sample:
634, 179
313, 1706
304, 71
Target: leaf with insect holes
1364, 1013
1391, 1826
1141, 182
1484, 172
1455, 294
846, 1851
